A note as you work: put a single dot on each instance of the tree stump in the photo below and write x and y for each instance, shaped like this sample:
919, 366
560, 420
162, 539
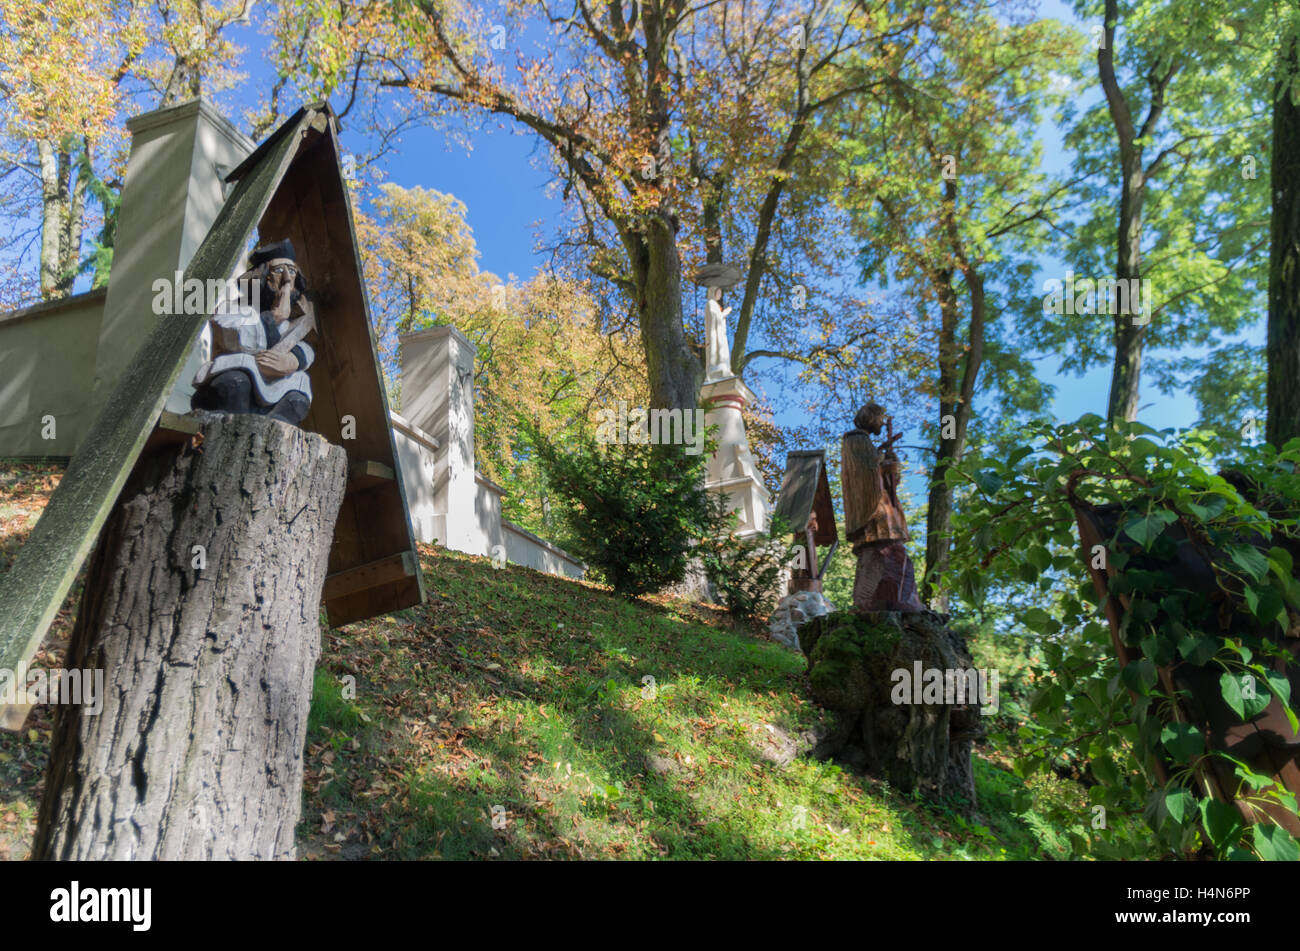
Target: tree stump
202, 607
878, 727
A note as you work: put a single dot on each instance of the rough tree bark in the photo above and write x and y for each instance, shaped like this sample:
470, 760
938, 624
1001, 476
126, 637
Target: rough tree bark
674, 371
852, 660
208, 661
1284, 264
63, 201
956, 401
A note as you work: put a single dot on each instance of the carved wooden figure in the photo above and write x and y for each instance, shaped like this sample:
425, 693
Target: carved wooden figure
259, 352
874, 520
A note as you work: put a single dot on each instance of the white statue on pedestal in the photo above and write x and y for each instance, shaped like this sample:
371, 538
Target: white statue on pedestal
717, 351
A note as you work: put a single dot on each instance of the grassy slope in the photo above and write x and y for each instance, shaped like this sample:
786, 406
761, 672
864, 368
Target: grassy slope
523, 695
525, 692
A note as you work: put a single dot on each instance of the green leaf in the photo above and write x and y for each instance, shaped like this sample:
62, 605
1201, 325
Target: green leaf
1036, 619
1256, 781
1179, 802
1222, 822
1138, 675
1018, 454
1183, 741
1146, 529
1104, 770
1235, 687
1278, 685
1250, 560
1281, 562
1039, 557
1275, 844
1158, 649
988, 481
1197, 648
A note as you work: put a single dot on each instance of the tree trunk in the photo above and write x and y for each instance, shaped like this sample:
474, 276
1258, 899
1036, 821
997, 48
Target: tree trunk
1284, 264
938, 509
63, 204
955, 405
896, 733
201, 607
54, 209
675, 372
1130, 337
1126, 373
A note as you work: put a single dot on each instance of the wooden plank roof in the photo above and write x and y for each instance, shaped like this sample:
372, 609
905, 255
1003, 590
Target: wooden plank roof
805, 490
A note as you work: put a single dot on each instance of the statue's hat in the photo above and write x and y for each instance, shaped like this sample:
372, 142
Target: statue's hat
269, 252
718, 275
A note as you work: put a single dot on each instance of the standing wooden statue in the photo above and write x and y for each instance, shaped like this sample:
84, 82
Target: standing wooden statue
873, 517
259, 354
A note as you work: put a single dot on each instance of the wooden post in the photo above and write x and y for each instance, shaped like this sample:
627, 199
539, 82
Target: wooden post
202, 607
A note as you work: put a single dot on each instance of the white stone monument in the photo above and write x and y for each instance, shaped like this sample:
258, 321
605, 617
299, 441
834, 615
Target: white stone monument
732, 471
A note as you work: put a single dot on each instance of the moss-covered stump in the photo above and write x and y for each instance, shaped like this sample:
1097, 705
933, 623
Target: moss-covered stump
913, 738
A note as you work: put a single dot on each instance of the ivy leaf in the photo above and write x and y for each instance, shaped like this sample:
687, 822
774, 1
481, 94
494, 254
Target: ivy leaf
1147, 528
1280, 686
1197, 648
1256, 781
1222, 822
1138, 675
1250, 560
1275, 844
1179, 802
1036, 619
1183, 741
1158, 649
1236, 687
1281, 562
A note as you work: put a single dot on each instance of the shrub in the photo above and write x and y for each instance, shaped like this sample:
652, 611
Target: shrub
745, 572
633, 512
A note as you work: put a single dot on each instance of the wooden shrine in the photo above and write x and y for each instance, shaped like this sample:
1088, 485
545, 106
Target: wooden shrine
291, 186
805, 504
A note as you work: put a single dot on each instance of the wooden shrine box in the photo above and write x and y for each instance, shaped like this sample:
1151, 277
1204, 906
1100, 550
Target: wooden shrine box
291, 186
805, 492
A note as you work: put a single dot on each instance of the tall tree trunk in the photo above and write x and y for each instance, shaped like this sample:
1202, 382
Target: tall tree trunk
1130, 337
73, 222
675, 372
955, 402
54, 208
63, 200
1284, 261
202, 608
938, 509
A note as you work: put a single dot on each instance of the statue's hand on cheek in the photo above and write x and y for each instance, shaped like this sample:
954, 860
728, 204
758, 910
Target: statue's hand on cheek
273, 365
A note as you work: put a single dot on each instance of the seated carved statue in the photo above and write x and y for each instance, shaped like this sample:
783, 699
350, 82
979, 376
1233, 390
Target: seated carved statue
259, 354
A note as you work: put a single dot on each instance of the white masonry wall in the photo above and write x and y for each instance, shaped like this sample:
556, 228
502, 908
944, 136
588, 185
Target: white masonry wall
451, 504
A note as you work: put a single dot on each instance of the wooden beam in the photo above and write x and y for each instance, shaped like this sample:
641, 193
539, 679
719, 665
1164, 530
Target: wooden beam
372, 575
366, 474
172, 429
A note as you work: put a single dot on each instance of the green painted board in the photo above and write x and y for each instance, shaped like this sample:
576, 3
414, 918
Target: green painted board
32, 591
